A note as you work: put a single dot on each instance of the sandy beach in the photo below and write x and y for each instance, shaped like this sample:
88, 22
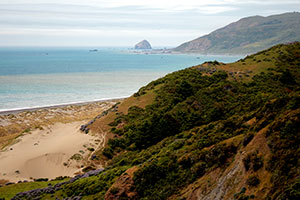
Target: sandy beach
88, 103
16, 122
58, 150
47, 142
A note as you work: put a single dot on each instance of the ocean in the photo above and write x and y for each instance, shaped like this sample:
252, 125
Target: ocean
38, 77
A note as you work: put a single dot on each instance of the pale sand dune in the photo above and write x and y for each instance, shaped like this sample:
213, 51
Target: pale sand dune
46, 153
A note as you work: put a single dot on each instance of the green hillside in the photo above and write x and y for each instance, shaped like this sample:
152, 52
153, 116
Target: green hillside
213, 131
248, 35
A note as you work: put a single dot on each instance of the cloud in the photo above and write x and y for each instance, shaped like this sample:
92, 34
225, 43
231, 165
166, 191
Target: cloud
166, 21
90, 37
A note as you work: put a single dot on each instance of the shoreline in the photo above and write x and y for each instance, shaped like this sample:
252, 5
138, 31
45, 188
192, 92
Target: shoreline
171, 52
19, 110
47, 142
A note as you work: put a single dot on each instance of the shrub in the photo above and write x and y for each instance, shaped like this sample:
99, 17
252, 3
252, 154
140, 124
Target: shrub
26, 130
77, 157
252, 181
114, 190
41, 179
291, 191
247, 139
253, 161
91, 149
108, 152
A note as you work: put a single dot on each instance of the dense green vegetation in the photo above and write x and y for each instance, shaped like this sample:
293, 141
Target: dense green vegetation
95, 186
214, 109
197, 124
10, 191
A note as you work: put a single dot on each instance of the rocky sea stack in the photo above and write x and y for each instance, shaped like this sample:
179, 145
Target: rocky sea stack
143, 45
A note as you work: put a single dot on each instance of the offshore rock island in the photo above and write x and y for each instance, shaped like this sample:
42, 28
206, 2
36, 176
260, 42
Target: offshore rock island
143, 45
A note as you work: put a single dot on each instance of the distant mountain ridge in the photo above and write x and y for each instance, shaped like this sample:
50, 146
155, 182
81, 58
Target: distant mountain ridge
248, 35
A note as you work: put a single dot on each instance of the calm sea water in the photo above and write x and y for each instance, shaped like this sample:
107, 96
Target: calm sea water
35, 77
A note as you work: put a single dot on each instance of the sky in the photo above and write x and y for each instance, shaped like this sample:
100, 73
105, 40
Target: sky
97, 23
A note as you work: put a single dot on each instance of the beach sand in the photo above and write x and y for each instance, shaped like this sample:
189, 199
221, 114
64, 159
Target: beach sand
52, 144
47, 153
14, 123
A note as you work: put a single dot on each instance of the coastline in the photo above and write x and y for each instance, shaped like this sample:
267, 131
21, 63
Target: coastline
46, 142
19, 110
14, 123
191, 53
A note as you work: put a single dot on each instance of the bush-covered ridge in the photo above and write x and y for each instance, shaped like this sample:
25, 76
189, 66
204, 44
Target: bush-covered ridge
203, 124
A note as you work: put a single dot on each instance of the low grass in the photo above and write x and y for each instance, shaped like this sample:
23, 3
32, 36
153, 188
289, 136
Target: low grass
8, 140
25, 121
9, 191
76, 157
255, 64
141, 101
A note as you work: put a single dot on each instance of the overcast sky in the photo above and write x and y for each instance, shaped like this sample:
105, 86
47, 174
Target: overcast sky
123, 22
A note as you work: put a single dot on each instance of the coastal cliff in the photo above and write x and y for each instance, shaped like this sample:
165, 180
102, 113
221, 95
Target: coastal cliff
211, 131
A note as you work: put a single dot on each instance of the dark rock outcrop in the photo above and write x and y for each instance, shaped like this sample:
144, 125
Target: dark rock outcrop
123, 188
